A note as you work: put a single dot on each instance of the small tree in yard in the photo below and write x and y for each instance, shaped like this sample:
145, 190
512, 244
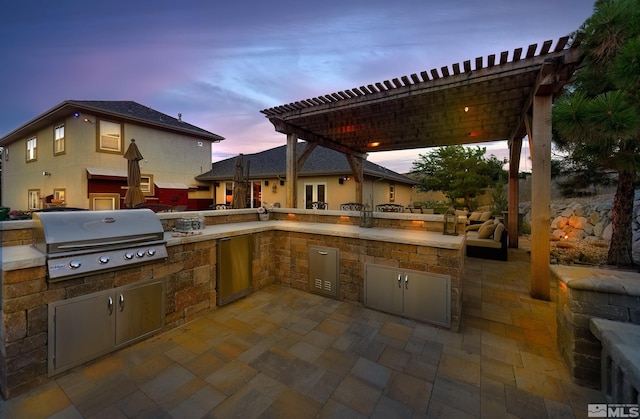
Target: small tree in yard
598, 118
457, 171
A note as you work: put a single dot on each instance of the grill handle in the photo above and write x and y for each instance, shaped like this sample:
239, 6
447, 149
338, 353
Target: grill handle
100, 244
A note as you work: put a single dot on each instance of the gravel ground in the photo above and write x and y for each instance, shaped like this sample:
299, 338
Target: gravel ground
574, 252
579, 252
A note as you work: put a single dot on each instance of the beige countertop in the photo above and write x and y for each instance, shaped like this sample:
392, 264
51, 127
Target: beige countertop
21, 257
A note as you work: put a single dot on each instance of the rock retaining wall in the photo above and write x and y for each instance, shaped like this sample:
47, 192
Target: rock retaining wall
587, 219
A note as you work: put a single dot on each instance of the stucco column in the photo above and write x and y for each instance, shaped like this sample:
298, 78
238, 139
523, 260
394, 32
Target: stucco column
292, 175
540, 197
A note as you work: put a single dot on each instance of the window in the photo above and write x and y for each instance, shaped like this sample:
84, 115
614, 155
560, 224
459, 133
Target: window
32, 145
104, 201
314, 192
58, 139
110, 137
146, 184
58, 195
392, 192
34, 199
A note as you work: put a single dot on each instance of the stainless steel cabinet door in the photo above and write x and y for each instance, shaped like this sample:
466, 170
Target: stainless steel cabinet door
138, 311
383, 289
427, 297
324, 270
80, 330
233, 269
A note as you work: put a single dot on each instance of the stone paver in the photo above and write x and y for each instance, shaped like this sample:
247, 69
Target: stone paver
284, 353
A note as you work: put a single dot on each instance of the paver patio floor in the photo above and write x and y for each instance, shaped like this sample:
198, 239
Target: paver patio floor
284, 353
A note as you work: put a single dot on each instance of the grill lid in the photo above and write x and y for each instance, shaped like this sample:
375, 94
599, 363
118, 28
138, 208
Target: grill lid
62, 232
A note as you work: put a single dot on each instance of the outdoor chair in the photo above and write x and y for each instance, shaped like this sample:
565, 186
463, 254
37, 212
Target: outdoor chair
319, 205
351, 206
389, 208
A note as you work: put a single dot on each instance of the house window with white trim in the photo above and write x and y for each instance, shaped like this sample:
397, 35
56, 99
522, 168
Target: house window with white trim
58, 139
34, 199
392, 192
110, 137
32, 149
146, 184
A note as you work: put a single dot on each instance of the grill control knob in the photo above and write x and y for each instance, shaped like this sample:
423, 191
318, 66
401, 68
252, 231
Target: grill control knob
129, 255
75, 264
103, 259
151, 251
140, 253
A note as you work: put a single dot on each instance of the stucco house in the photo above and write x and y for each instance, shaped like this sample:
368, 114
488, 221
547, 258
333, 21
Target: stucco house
72, 155
325, 176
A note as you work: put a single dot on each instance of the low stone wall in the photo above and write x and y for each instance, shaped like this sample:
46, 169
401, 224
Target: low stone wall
585, 293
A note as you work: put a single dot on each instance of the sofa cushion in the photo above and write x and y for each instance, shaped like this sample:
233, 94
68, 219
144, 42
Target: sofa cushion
475, 216
497, 234
473, 227
473, 240
485, 216
486, 230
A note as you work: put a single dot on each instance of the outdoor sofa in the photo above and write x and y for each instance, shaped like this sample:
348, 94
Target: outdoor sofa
487, 240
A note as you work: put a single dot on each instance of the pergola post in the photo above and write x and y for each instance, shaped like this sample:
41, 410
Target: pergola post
515, 147
357, 169
292, 175
541, 190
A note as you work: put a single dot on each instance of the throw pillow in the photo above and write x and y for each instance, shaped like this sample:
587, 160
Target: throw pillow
485, 216
473, 227
486, 230
497, 234
475, 216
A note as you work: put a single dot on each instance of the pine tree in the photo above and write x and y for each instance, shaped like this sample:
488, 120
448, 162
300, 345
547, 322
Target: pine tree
598, 117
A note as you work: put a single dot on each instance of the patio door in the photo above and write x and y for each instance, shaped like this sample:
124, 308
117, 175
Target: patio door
256, 194
314, 192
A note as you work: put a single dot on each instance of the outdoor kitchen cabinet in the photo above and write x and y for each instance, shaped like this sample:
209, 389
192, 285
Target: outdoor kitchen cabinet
418, 295
233, 268
324, 263
86, 327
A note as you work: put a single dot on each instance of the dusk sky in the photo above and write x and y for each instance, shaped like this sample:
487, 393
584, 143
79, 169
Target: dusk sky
220, 63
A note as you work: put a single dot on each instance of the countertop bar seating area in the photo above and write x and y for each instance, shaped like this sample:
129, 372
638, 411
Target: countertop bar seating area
402, 264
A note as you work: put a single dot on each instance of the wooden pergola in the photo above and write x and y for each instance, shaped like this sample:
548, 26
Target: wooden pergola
481, 101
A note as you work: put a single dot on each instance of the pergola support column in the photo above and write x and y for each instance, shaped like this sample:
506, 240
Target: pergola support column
515, 147
357, 169
292, 169
541, 190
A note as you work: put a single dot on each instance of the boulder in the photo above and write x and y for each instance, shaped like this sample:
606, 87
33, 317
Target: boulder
578, 222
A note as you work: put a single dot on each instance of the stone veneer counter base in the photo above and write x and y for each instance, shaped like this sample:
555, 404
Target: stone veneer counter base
585, 293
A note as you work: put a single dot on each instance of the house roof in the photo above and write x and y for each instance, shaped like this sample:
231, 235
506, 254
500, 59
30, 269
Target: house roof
123, 110
322, 161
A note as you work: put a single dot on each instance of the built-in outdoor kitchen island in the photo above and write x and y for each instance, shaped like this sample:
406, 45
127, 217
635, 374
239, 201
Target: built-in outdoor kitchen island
402, 264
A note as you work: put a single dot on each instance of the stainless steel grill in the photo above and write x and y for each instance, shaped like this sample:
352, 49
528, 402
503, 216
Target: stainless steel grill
82, 243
